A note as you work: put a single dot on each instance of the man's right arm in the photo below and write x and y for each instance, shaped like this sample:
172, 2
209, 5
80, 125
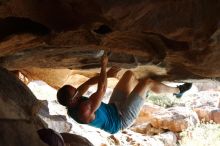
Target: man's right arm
88, 108
97, 97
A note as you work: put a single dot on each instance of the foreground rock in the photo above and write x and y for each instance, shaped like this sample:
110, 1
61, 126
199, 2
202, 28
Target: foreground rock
19, 120
146, 113
147, 129
17, 112
75, 140
132, 138
56, 122
174, 119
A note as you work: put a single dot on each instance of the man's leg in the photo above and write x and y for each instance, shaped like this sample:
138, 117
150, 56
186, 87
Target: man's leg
178, 91
158, 87
131, 107
124, 87
127, 82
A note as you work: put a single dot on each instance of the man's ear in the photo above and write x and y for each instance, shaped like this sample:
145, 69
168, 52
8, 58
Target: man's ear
73, 99
75, 95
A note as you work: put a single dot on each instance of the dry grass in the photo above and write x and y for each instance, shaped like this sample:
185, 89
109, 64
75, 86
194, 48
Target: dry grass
204, 134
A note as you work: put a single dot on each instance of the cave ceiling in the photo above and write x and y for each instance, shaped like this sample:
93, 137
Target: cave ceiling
182, 37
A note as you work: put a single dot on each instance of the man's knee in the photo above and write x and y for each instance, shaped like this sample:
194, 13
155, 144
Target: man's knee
127, 82
152, 85
147, 80
128, 73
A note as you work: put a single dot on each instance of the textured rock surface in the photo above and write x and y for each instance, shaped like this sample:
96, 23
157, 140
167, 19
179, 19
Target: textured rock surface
173, 39
215, 116
204, 99
56, 122
59, 77
175, 119
75, 140
208, 114
132, 138
147, 128
204, 103
146, 112
57, 34
16, 112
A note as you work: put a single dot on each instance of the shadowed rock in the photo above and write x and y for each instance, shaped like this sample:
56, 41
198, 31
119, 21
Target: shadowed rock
16, 118
137, 32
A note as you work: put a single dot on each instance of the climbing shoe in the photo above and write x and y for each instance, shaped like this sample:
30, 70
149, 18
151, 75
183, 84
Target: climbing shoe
183, 88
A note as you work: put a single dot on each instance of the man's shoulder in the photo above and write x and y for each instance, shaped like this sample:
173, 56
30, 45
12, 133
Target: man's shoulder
84, 111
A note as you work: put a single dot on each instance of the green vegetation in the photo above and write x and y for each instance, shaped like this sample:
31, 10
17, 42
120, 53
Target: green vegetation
163, 100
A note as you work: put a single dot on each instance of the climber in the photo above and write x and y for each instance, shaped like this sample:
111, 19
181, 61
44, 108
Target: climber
125, 102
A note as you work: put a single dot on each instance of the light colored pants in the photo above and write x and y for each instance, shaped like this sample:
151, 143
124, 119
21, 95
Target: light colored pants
128, 107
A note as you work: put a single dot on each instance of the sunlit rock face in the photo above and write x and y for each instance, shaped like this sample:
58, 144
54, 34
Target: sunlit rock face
180, 38
175, 119
146, 113
56, 122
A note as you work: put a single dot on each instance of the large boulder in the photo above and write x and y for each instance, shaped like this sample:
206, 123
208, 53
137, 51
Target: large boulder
147, 128
17, 112
58, 123
146, 113
174, 119
208, 114
75, 140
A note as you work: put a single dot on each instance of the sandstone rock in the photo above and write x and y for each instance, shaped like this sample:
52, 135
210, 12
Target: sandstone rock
56, 122
204, 113
113, 140
38, 34
21, 76
59, 35
164, 139
208, 114
147, 129
146, 112
168, 138
215, 116
75, 140
56, 78
17, 120
10, 110
175, 119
